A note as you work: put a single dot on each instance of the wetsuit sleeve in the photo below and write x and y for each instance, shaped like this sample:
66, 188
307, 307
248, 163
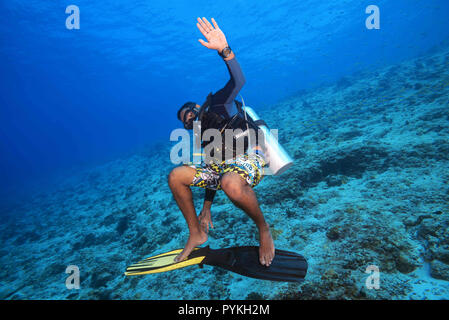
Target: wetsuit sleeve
228, 93
210, 194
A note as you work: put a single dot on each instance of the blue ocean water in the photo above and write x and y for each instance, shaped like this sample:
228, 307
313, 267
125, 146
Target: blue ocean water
86, 115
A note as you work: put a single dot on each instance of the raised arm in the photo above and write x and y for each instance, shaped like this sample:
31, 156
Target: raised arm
216, 40
229, 92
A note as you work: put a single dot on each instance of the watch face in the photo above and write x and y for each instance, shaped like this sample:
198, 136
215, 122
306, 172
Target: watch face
226, 52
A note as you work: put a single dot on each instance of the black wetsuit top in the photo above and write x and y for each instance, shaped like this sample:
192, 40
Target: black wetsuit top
222, 106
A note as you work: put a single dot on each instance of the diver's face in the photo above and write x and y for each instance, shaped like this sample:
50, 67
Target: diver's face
189, 117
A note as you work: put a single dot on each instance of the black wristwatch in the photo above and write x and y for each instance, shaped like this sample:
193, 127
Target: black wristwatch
226, 52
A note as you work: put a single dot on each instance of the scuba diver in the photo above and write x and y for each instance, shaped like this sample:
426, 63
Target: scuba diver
235, 175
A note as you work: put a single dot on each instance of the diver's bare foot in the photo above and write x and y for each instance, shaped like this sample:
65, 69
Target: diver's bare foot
195, 239
266, 248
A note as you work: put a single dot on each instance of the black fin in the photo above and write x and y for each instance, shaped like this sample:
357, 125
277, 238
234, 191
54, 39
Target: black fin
286, 266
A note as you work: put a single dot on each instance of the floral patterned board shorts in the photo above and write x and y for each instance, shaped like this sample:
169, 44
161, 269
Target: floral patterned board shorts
249, 166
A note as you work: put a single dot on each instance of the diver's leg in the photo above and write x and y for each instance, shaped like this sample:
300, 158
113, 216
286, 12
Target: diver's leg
244, 197
179, 180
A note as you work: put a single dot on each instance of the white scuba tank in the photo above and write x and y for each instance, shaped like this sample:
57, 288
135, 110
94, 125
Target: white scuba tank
277, 158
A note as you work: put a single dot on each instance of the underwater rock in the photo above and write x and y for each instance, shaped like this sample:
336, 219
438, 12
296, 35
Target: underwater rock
140, 241
439, 270
100, 279
275, 233
175, 229
283, 192
110, 219
435, 114
410, 222
334, 233
418, 155
255, 296
54, 269
443, 255
290, 213
122, 225
334, 181
6, 292
299, 154
72, 296
103, 294
219, 290
352, 161
89, 240
329, 276
29, 236
428, 228
417, 86
332, 285
393, 71
169, 220
405, 264
92, 240
306, 203
438, 252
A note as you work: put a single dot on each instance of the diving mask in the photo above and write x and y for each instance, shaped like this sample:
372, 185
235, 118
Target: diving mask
190, 115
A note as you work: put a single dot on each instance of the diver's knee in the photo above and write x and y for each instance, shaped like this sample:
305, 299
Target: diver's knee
232, 184
178, 175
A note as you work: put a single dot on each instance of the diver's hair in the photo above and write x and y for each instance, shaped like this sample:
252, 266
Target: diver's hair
185, 105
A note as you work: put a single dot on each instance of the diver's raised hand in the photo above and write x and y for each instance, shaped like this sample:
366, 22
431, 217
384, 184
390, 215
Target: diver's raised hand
216, 39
